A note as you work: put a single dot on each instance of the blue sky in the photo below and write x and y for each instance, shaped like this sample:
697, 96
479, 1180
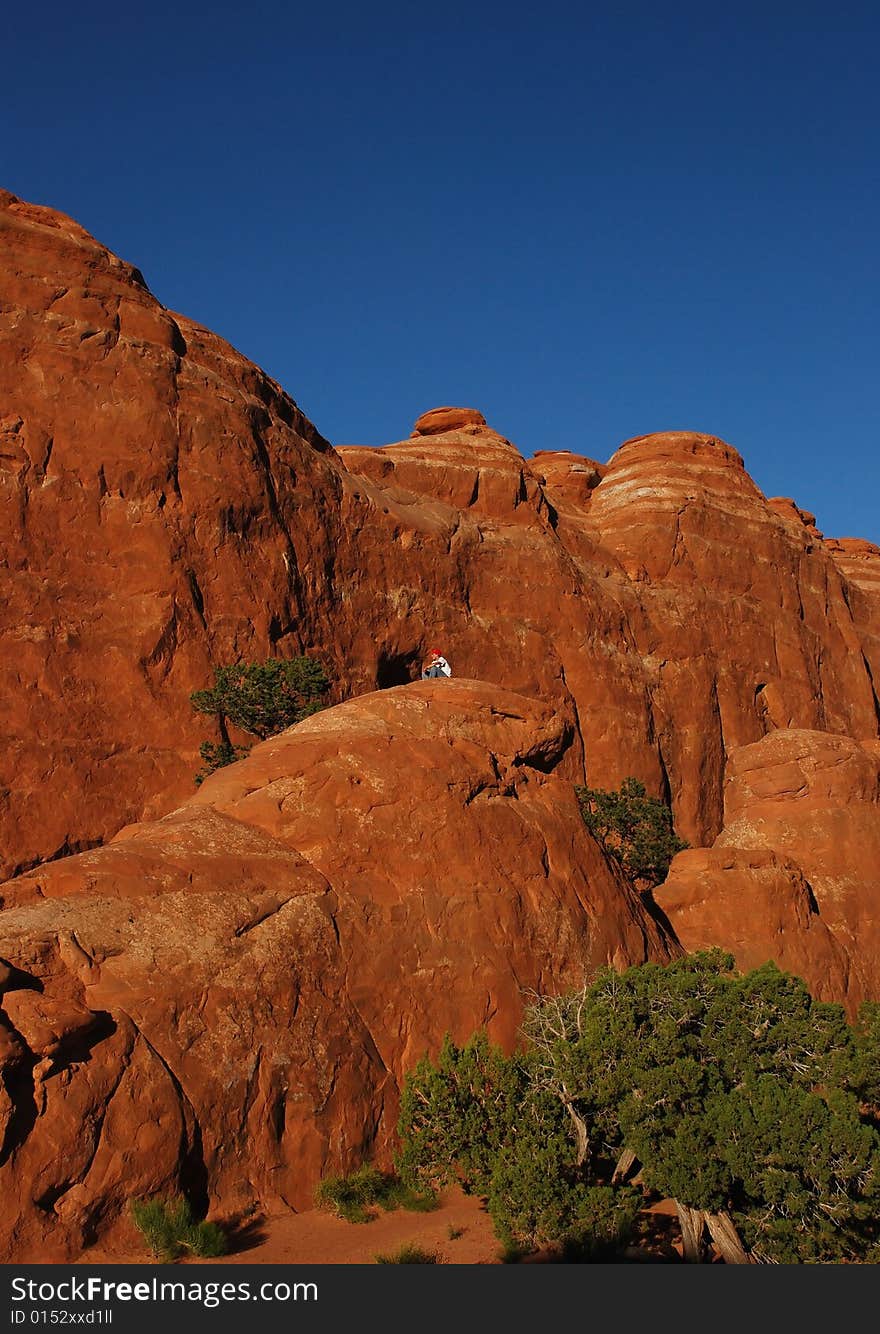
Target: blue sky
589, 221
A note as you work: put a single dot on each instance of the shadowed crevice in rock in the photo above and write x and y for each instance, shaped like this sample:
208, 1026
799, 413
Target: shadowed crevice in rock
870, 675
193, 1174
18, 1081
78, 1048
397, 668
69, 848
659, 916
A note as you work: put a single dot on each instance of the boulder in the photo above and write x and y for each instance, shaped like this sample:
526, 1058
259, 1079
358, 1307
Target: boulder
795, 873
226, 1000
440, 420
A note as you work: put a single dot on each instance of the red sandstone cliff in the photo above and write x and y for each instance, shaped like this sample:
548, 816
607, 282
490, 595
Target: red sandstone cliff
152, 481
227, 999
226, 996
167, 507
795, 873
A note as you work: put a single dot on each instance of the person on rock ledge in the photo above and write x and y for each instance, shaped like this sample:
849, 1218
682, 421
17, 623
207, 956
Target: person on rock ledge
437, 665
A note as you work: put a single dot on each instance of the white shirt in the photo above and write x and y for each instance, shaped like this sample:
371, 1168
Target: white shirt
442, 664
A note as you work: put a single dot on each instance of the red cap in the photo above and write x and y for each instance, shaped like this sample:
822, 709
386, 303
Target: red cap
435, 651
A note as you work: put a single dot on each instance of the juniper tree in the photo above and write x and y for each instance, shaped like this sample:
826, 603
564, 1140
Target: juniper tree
633, 828
456, 1113
479, 1117
742, 1098
259, 698
691, 1068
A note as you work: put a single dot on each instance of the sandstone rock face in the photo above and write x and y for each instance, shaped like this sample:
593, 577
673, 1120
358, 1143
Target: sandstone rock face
727, 605
571, 476
227, 998
786, 508
440, 420
226, 994
859, 563
168, 508
759, 905
795, 873
143, 467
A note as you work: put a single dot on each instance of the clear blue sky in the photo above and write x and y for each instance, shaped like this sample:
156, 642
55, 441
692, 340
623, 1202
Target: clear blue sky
588, 220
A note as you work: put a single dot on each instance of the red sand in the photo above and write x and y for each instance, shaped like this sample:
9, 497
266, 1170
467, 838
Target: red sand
316, 1237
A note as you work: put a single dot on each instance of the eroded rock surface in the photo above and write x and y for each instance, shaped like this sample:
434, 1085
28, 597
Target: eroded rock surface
224, 996
151, 483
795, 874
168, 508
227, 999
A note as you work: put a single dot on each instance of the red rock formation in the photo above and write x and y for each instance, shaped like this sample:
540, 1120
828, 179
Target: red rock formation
571, 476
244, 980
786, 508
795, 873
169, 508
440, 420
759, 905
143, 466
726, 607
230, 996
671, 610
859, 564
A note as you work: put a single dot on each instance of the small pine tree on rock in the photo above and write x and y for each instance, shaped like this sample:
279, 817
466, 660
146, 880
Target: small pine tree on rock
634, 828
259, 698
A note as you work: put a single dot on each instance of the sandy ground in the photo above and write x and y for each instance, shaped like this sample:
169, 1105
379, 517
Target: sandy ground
316, 1237
459, 1231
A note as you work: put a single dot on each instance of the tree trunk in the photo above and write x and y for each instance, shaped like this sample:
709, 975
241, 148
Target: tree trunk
580, 1130
727, 1239
692, 1223
625, 1163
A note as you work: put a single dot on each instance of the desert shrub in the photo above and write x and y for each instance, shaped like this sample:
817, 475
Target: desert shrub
737, 1093
264, 698
865, 1076
633, 828
457, 1112
352, 1197
399, 1194
410, 1254
540, 1199
511, 1251
169, 1228
207, 1240
605, 1226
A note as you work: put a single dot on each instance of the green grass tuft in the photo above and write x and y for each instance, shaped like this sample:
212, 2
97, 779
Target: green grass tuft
410, 1254
169, 1229
353, 1197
